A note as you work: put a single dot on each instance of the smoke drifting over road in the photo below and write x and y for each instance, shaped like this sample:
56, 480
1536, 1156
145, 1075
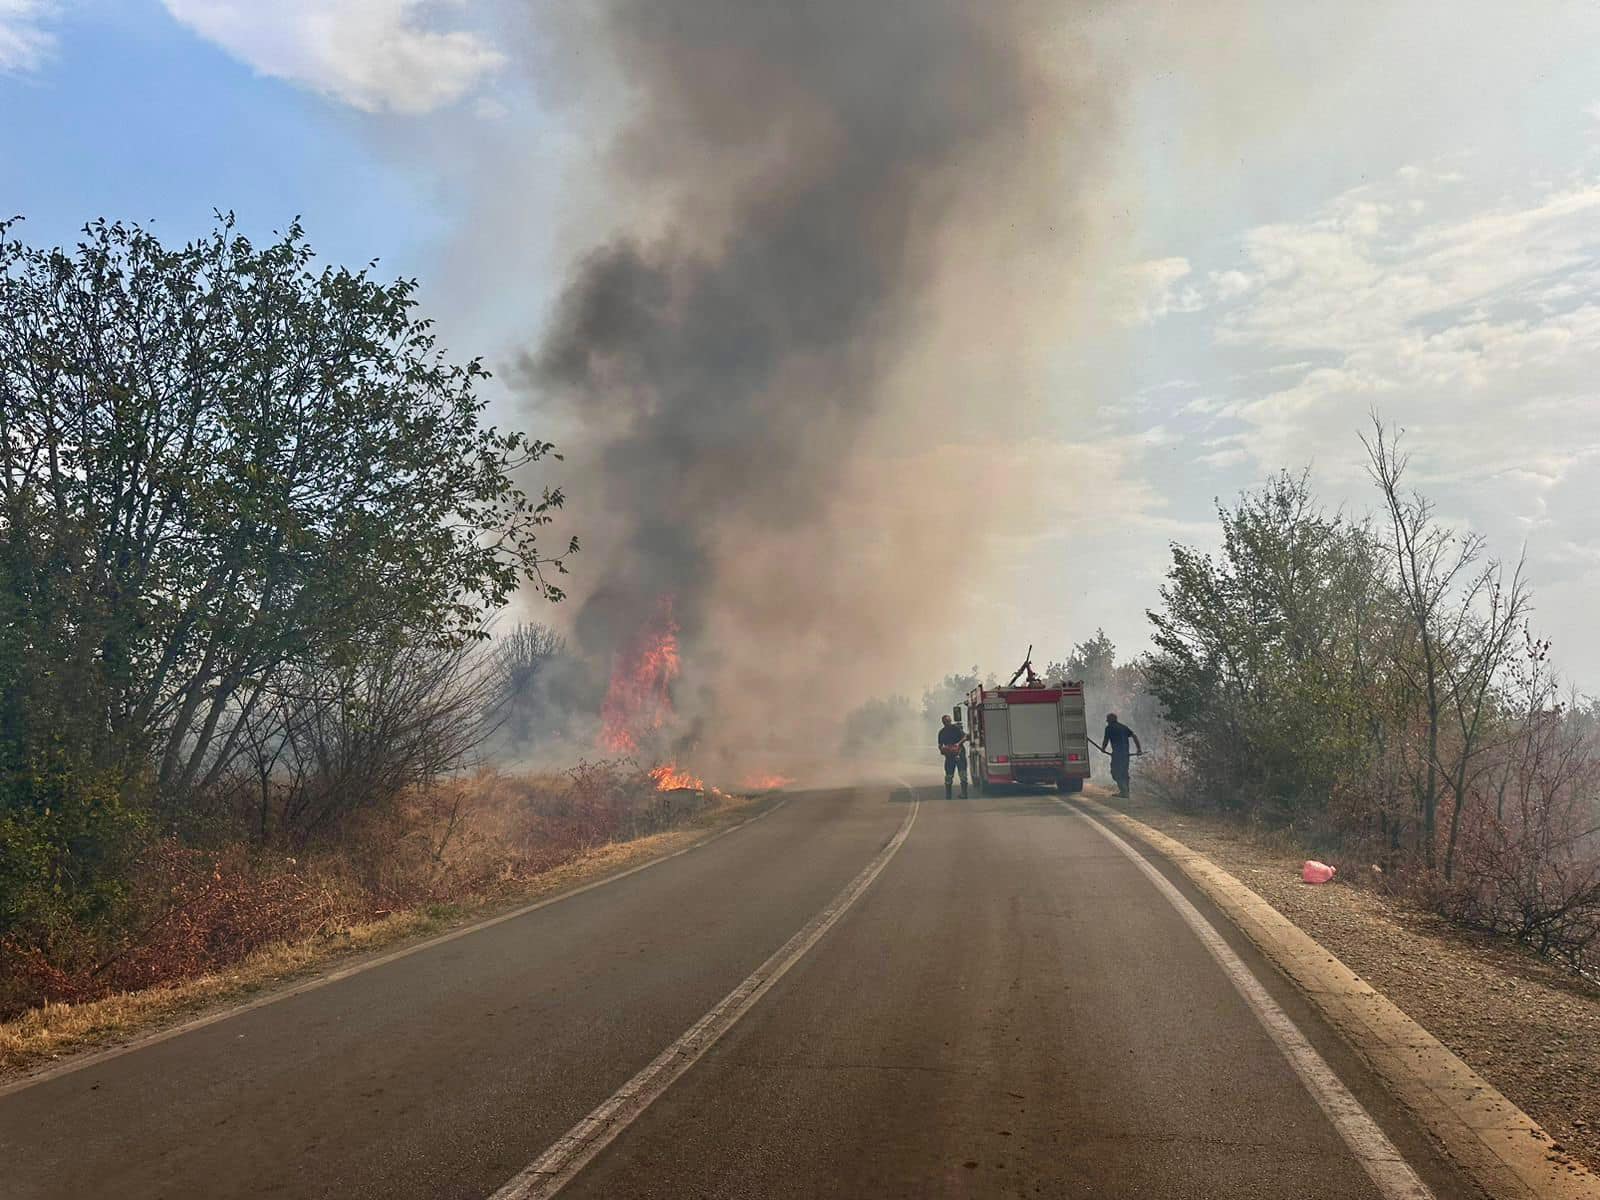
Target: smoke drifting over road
853, 233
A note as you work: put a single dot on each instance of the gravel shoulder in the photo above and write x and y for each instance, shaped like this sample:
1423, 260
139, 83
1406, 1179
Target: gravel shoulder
1528, 1027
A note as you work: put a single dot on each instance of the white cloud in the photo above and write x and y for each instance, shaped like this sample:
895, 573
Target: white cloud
1149, 290
1229, 457
24, 41
1473, 324
1482, 331
1368, 267
377, 55
1230, 285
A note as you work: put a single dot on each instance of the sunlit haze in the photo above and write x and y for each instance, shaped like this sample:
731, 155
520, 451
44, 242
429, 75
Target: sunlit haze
1296, 215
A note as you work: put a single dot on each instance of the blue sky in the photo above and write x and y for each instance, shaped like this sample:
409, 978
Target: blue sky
134, 116
1309, 210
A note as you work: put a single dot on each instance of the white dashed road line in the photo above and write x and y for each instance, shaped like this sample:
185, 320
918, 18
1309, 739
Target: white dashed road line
558, 1165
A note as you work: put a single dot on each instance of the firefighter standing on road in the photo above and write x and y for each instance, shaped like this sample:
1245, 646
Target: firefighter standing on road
951, 737
1118, 735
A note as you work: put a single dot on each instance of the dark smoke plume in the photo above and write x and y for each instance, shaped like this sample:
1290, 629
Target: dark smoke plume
851, 232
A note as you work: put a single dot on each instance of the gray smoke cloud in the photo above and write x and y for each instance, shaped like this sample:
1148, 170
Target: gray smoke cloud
852, 240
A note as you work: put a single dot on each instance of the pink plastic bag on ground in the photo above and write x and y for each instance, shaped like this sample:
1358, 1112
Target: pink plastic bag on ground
1315, 872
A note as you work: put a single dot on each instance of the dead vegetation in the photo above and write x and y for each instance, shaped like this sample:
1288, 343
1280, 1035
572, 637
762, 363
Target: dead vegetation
210, 923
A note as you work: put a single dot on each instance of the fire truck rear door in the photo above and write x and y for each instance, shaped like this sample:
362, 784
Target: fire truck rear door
1035, 731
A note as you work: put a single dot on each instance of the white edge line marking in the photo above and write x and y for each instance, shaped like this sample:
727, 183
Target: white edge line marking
1370, 1145
94, 1058
573, 1150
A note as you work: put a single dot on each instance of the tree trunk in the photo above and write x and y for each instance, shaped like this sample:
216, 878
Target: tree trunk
1430, 795
1455, 829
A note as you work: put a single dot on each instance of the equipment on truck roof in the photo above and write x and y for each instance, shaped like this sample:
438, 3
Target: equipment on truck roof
1027, 665
1032, 733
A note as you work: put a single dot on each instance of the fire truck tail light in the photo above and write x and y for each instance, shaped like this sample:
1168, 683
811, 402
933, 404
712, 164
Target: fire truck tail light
1000, 758
1073, 758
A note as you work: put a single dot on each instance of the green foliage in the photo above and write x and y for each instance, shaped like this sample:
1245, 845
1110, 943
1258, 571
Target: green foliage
1092, 662
224, 471
216, 463
66, 835
938, 700
1321, 667
1110, 686
1267, 656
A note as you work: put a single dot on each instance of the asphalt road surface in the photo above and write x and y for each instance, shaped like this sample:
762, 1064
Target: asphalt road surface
959, 998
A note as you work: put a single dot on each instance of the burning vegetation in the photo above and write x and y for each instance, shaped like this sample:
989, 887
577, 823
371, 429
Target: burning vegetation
638, 701
670, 779
765, 783
637, 709
741, 355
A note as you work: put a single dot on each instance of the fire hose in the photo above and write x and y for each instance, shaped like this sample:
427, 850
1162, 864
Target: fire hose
1107, 753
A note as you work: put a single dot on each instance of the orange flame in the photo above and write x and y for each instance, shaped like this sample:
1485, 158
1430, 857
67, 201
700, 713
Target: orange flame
669, 778
765, 783
639, 698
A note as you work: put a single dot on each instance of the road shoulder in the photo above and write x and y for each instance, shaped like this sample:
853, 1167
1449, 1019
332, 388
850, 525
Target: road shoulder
1495, 1142
59, 1038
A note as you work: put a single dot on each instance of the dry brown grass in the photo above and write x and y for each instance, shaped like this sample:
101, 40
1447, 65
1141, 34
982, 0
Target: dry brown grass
54, 1029
492, 860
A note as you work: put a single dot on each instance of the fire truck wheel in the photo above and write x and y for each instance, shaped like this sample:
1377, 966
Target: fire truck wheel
1069, 785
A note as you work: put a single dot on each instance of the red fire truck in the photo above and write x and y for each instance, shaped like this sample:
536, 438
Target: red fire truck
1028, 733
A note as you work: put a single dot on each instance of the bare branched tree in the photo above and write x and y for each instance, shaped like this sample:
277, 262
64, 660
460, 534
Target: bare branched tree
332, 741
519, 677
1462, 617
1531, 865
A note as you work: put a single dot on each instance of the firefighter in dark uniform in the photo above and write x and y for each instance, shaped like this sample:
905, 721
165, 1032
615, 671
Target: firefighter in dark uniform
951, 739
1117, 735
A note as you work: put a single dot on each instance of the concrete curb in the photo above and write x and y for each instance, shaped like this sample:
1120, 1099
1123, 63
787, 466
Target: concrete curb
1497, 1144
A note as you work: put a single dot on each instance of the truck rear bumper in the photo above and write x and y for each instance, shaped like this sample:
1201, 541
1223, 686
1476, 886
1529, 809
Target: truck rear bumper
1037, 771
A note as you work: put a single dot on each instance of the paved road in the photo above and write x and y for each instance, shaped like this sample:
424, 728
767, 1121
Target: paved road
1011, 1008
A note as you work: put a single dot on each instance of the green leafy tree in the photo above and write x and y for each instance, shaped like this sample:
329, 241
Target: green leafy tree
1264, 655
938, 700
1110, 686
1093, 662
222, 466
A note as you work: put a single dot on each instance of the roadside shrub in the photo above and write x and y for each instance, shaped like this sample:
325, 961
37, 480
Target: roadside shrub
1528, 854
1509, 884
185, 912
67, 834
1169, 779
251, 521
594, 803
181, 910
1265, 655
201, 910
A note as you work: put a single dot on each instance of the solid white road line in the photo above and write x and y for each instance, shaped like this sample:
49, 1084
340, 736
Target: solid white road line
558, 1165
1371, 1147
